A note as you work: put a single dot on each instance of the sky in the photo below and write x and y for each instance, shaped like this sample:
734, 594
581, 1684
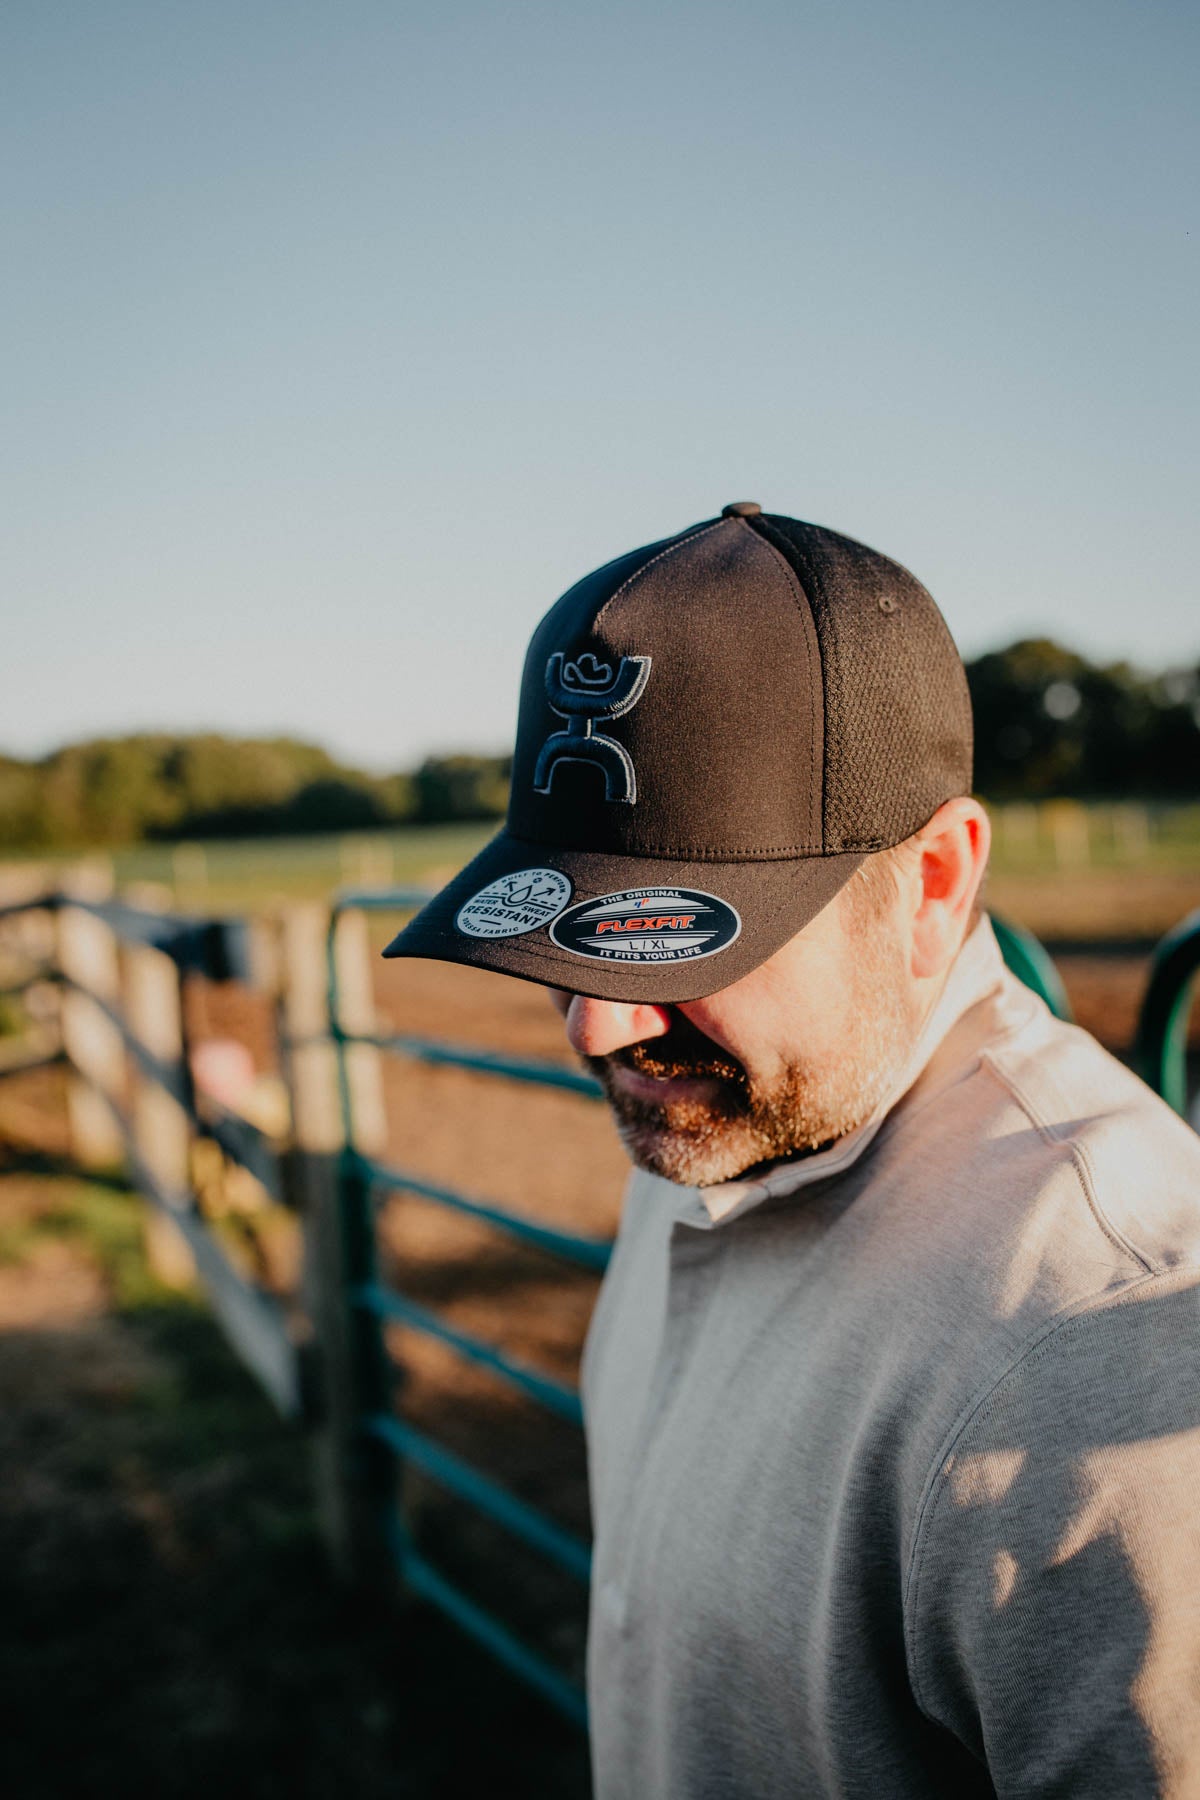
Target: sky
342, 339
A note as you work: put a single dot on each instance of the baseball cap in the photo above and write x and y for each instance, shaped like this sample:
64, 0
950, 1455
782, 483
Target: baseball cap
714, 731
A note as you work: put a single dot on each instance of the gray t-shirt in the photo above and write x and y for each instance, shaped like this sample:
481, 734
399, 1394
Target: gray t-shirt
895, 1453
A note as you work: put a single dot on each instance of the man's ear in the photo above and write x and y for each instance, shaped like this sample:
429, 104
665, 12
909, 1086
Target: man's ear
953, 852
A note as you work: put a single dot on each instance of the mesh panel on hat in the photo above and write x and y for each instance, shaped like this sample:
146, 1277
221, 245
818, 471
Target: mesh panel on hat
897, 711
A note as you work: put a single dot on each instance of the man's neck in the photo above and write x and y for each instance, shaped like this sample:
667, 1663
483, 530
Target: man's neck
976, 968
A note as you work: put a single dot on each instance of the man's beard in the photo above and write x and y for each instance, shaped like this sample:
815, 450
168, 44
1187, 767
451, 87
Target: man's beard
699, 1141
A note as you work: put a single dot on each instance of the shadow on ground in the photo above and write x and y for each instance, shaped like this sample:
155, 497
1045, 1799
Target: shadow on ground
168, 1626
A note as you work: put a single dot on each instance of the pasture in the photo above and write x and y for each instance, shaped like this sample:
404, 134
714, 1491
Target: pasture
1060, 868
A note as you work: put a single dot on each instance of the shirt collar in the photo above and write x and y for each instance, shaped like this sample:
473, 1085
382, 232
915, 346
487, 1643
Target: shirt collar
977, 971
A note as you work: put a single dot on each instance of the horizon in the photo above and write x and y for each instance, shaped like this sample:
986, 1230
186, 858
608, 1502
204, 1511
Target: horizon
493, 751
347, 344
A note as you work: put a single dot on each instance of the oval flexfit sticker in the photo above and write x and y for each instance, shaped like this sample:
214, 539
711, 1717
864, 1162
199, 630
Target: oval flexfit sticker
515, 903
648, 925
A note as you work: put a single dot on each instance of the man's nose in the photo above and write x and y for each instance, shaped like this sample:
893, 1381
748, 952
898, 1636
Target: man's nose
598, 1027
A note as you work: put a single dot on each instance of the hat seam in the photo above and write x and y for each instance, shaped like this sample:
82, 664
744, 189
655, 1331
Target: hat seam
696, 853
800, 599
763, 528
690, 537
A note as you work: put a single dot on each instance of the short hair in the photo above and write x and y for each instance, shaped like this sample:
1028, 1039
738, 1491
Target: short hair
872, 890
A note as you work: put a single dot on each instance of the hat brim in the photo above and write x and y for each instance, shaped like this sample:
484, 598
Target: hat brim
772, 900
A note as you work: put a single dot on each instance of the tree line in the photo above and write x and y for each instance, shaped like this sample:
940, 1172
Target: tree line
1047, 722
158, 786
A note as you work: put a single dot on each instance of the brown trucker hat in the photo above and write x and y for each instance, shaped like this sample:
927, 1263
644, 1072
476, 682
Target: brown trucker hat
714, 731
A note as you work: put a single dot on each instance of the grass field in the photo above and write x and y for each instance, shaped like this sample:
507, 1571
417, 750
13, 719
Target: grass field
1060, 869
244, 874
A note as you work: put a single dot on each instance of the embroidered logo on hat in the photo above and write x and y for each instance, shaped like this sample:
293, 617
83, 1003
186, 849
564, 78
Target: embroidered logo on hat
584, 693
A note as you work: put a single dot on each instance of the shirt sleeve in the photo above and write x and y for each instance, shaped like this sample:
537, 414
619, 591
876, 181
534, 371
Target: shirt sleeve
1053, 1608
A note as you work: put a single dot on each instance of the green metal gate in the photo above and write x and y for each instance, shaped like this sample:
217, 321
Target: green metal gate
363, 1180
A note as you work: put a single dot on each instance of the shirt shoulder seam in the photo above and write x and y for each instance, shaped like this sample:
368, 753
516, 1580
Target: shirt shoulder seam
1080, 1160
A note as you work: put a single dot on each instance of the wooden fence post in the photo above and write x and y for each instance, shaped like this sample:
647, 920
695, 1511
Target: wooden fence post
88, 959
1020, 829
310, 1051
162, 1131
1131, 833
189, 877
1070, 829
367, 862
356, 1012
309, 1058
347, 1471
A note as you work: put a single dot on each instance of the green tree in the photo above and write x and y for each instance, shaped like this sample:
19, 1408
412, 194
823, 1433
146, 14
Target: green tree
1049, 722
463, 787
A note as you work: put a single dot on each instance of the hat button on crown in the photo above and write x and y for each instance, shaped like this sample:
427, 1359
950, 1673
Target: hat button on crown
741, 509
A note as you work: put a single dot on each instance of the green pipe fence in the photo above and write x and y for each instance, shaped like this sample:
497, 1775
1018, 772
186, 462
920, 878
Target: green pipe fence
430, 1584
484, 1062
361, 1179
589, 1253
519, 1518
1031, 963
385, 1303
1160, 1049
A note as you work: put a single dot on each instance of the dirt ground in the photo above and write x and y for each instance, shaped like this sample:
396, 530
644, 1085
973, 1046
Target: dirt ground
165, 1608
168, 1623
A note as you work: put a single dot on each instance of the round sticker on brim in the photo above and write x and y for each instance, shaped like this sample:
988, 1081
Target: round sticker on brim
526, 901
648, 925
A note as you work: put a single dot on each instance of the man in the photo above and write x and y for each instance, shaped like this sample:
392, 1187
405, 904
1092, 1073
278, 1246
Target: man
893, 1387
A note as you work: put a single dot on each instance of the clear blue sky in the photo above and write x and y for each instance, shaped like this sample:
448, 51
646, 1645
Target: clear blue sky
340, 339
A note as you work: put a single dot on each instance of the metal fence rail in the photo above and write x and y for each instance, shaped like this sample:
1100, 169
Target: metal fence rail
363, 1178
589, 1253
1160, 1049
1030, 963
